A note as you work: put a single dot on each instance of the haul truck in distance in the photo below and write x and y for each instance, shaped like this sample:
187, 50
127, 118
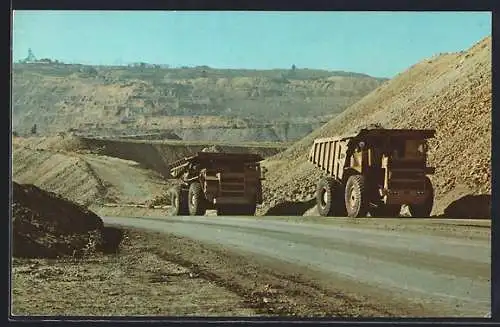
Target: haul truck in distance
375, 171
231, 183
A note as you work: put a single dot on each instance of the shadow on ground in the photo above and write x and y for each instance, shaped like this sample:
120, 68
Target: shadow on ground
112, 238
466, 207
291, 208
469, 207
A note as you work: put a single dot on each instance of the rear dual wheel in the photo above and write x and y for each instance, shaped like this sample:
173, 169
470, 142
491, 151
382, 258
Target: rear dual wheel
329, 198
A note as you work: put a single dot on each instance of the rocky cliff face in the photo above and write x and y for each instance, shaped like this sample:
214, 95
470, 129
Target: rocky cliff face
272, 105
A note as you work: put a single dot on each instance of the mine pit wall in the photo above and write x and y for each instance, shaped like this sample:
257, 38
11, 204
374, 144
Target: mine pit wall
157, 156
273, 133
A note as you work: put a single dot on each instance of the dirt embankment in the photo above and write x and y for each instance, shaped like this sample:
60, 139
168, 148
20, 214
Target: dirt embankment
46, 225
61, 173
275, 132
68, 167
103, 270
95, 171
158, 155
450, 93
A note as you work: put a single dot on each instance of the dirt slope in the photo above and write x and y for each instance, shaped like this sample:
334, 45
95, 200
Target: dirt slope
59, 173
46, 225
158, 155
94, 171
449, 92
69, 168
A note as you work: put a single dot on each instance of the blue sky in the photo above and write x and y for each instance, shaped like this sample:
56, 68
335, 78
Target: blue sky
380, 44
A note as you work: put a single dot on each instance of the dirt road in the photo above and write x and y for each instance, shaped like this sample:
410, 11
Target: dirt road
441, 274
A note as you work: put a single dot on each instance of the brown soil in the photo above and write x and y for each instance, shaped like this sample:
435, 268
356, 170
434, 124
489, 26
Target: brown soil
134, 281
62, 173
46, 225
270, 287
450, 93
70, 167
162, 274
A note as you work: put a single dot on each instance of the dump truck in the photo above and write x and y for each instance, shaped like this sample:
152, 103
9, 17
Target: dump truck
375, 172
230, 183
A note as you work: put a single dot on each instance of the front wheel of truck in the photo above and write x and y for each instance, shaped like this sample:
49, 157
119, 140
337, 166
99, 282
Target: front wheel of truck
356, 199
197, 201
179, 200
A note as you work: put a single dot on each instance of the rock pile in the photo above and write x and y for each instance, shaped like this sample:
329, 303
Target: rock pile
47, 225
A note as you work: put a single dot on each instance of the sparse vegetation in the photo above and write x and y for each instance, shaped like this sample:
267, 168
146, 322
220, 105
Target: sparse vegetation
58, 97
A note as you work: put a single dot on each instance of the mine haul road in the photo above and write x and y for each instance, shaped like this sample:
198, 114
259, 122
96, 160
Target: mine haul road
435, 266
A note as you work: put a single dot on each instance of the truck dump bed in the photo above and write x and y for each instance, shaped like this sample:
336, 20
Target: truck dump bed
329, 153
203, 158
326, 154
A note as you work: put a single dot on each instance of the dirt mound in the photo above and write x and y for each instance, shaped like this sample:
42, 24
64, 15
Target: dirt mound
81, 175
47, 225
61, 173
61, 143
450, 93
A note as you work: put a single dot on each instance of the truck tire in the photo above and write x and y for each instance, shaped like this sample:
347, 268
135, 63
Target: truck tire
197, 202
355, 197
423, 210
328, 196
386, 211
179, 200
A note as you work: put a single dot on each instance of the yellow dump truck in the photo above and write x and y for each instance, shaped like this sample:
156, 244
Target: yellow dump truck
375, 172
231, 183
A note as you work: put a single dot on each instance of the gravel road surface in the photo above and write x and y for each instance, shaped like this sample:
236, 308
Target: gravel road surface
448, 274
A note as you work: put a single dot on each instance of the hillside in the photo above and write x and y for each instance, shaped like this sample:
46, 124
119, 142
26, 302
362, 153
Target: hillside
449, 92
96, 172
198, 103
